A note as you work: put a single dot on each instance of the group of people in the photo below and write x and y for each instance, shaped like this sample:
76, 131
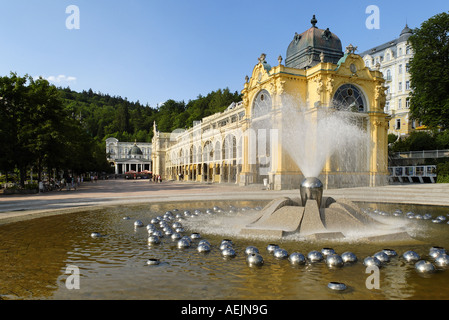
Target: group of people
156, 178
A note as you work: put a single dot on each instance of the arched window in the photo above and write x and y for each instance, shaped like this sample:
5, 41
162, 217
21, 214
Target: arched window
350, 98
262, 104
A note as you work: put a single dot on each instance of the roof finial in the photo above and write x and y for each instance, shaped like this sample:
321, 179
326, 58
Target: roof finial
314, 21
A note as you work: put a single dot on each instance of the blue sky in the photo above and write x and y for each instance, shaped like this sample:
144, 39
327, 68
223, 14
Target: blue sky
153, 51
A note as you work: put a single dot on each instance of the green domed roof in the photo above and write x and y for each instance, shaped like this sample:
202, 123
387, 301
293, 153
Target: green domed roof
305, 49
135, 150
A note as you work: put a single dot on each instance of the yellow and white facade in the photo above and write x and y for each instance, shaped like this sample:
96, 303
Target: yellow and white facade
234, 146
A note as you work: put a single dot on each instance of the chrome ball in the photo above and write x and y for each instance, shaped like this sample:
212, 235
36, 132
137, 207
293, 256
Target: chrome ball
411, 256
271, 247
195, 236
442, 218
382, 257
315, 256
423, 266
297, 258
437, 220
227, 241
183, 243
349, 257
176, 236
204, 241
153, 239
228, 252
251, 250
209, 211
280, 253
168, 231
154, 221
434, 252
151, 226
337, 286
177, 225
203, 247
158, 233
254, 259
153, 262
372, 261
334, 260
197, 212
95, 235
138, 223
427, 216
442, 260
225, 245
390, 252
180, 230
187, 238
327, 251
126, 218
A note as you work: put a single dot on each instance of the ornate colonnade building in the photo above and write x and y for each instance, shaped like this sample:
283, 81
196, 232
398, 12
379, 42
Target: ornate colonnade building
243, 144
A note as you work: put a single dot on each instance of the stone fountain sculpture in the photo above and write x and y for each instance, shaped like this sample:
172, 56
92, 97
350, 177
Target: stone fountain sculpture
317, 217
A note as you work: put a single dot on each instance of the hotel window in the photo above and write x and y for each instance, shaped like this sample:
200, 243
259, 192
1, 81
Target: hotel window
407, 103
407, 85
400, 52
388, 75
400, 104
387, 57
387, 106
400, 86
407, 67
398, 124
400, 69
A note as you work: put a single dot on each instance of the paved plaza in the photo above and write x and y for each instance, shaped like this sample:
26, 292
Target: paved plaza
120, 191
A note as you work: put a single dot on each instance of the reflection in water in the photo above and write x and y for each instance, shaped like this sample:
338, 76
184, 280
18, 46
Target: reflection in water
34, 255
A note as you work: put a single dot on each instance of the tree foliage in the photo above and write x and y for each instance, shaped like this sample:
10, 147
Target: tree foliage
42, 126
429, 71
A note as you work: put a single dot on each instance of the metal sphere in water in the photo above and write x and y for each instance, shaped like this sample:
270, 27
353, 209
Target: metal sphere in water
158, 233
372, 261
327, 251
297, 258
271, 247
315, 256
228, 252
442, 260
195, 236
411, 256
153, 262
138, 223
183, 243
349, 257
250, 250
204, 241
382, 256
334, 260
95, 235
390, 252
337, 286
177, 225
153, 239
434, 252
203, 247
423, 266
151, 226
225, 245
280, 253
254, 259
176, 236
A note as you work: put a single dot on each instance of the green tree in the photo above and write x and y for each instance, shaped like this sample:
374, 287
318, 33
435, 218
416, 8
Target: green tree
429, 71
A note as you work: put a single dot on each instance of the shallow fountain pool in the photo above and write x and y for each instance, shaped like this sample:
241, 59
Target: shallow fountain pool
35, 255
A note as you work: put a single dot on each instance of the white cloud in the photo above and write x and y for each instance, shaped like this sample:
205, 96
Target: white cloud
61, 78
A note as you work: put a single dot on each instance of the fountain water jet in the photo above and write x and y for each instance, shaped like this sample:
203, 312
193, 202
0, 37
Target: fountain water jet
311, 136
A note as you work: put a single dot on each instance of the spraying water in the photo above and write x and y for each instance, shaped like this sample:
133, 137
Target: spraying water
313, 135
